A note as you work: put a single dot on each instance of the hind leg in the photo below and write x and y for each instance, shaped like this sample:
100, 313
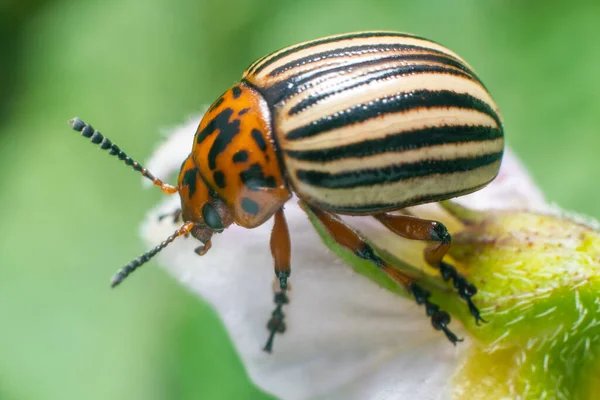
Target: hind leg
410, 227
351, 240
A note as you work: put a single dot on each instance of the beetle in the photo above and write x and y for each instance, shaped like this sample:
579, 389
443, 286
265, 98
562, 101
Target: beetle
364, 123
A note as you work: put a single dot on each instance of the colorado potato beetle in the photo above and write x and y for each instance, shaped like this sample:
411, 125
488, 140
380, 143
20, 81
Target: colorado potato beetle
364, 123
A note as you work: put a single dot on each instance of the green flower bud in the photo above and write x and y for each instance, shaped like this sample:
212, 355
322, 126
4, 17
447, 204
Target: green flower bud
538, 277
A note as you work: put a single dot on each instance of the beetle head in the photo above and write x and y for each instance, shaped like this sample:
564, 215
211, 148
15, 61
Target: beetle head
201, 205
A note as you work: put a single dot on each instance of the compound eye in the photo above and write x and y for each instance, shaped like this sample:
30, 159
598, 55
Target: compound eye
212, 218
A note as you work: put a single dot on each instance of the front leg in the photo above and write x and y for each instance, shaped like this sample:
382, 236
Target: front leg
281, 250
204, 235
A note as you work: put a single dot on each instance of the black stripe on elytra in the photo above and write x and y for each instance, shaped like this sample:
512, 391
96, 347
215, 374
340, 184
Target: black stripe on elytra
368, 78
219, 178
255, 179
236, 91
259, 139
255, 68
297, 84
240, 157
250, 206
394, 173
369, 209
243, 111
189, 180
350, 51
393, 104
252, 67
402, 141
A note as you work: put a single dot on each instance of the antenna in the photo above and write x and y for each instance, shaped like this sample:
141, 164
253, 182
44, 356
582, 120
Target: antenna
144, 258
105, 144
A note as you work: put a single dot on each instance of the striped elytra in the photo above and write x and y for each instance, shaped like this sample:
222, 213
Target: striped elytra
359, 124
375, 121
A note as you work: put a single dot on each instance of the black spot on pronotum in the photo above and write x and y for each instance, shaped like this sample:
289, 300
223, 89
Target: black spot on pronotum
213, 124
240, 157
250, 206
259, 139
243, 111
255, 179
236, 91
227, 131
219, 178
189, 180
216, 104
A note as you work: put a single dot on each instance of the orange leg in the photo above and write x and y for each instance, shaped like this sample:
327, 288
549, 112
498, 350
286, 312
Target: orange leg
198, 232
203, 234
350, 239
410, 227
281, 251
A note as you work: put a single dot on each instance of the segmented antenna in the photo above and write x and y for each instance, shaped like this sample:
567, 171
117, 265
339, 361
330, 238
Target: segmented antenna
105, 144
144, 258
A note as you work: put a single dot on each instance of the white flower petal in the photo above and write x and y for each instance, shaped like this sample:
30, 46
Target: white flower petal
419, 373
343, 331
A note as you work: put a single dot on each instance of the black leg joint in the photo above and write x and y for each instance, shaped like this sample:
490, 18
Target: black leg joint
283, 277
439, 233
447, 270
439, 319
431, 309
281, 298
465, 289
421, 295
367, 253
276, 323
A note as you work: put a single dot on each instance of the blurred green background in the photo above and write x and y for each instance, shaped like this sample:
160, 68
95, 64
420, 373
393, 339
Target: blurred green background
70, 215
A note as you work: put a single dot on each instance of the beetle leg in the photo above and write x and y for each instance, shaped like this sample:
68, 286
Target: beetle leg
410, 227
202, 250
281, 252
350, 239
